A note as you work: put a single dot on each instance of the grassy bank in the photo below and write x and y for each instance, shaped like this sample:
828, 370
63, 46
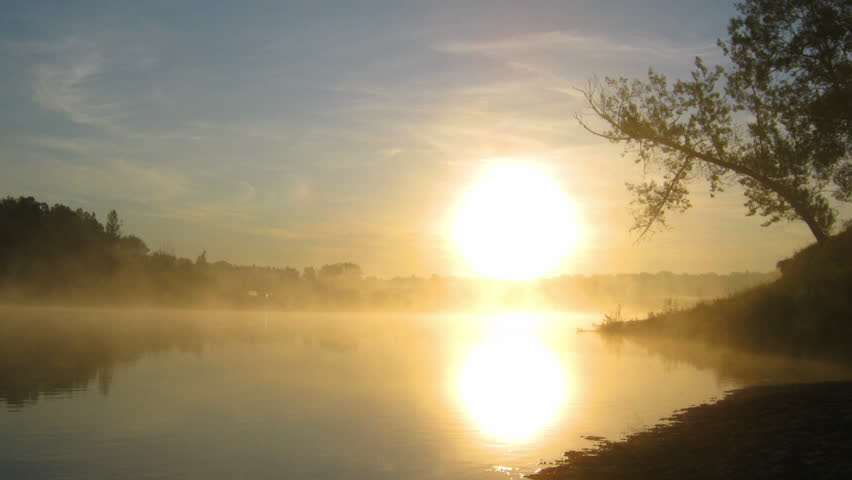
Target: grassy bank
779, 432
807, 312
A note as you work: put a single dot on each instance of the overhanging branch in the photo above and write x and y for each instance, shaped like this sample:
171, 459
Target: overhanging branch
659, 210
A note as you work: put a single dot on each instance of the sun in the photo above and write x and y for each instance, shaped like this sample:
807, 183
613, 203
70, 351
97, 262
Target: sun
515, 223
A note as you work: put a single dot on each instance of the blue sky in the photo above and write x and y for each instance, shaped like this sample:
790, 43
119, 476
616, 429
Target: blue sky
304, 133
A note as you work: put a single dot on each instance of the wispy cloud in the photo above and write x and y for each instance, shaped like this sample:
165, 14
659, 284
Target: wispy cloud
122, 179
562, 40
64, 85
76, 145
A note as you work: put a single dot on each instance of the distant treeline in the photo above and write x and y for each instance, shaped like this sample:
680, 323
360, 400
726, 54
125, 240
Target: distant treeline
55, 254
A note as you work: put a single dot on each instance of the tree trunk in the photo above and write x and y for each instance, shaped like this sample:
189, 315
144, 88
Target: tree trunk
818, 232
802, 210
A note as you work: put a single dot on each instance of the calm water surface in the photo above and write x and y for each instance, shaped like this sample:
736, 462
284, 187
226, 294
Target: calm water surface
222, 395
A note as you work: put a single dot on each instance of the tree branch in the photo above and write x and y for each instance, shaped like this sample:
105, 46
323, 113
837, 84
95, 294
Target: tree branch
678, 176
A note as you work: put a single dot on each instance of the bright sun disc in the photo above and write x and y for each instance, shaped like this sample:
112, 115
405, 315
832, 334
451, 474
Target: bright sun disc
515, 223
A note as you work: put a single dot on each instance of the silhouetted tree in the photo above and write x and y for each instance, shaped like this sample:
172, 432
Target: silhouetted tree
113, 225
341, 271
778, 122
309, 274
163, 259
290, 274
133, 246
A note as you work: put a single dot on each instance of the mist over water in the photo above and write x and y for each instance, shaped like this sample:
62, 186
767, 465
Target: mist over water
426, 240
219, 394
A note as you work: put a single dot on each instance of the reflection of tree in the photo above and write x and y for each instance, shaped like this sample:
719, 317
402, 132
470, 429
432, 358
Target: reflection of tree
44, 352
735, 366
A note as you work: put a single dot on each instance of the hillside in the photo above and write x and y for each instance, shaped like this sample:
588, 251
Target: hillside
807, 311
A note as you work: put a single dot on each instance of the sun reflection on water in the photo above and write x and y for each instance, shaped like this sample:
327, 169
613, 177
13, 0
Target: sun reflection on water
512, 385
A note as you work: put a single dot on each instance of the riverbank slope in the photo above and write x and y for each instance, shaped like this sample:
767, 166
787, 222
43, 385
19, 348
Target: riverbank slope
778, 432
805, 313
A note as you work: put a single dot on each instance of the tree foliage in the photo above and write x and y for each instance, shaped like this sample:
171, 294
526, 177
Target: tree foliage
777, 121
113, 225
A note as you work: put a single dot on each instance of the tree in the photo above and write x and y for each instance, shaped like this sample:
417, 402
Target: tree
341, 271
777, 121
133, 246
309, 274
113, 225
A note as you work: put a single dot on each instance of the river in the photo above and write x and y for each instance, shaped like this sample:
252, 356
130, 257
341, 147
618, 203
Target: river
89, 393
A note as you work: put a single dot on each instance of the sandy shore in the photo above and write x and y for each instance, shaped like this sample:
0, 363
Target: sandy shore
778, 432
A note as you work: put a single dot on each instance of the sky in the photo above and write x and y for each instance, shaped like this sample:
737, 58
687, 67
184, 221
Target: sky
313, 132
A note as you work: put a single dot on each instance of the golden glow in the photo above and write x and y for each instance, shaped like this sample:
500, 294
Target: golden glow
512, 385
515, 223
